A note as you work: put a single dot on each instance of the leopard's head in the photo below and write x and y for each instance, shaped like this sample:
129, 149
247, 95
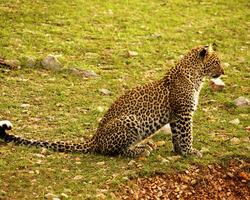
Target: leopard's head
211, 63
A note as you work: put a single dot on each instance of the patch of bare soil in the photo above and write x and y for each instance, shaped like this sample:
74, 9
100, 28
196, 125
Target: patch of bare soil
228, 182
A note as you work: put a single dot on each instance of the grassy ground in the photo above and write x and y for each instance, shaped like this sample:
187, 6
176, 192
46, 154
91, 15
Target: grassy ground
96, 35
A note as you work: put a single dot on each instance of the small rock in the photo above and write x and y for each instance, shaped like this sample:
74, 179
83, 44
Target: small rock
235, 140
78, 177
100, 109
193, 182
242, 101
83, 73
64, 195
160, 143
186, 179
235, 121
100, 163
31, 61
25, 105
44, 151
226, 64
88, 74
248, 128
51, 62
39, 155
131, 163
50, 196
105, 91
217, 84
230, 174
244, 176
132, 53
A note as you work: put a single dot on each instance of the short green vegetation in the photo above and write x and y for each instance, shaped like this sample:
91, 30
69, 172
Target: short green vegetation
98, 35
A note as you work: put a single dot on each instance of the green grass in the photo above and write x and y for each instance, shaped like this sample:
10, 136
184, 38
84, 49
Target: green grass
95, 35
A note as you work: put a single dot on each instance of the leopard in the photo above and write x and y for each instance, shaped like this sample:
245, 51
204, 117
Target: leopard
142, 111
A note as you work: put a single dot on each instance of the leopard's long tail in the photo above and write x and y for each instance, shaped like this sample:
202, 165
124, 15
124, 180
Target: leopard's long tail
85, 147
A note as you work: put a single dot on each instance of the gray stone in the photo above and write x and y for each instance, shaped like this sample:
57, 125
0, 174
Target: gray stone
217, 84
51, 196
83, 73
31, 62
235, 140
235, 121
242, 101
25, 105
132, 53
51, 62
105, 91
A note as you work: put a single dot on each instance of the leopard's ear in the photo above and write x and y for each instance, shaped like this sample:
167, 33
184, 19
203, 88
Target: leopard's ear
214, 46
203, 52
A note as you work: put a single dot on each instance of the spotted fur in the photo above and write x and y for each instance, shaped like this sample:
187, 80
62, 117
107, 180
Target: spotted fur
142, 111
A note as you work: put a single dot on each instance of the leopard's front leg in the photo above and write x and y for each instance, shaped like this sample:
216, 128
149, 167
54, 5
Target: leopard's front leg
182, 136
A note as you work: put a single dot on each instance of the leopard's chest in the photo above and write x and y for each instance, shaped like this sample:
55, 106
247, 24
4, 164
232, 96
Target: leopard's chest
196, 96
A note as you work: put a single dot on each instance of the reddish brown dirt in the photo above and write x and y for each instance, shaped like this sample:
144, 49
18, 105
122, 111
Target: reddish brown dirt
230, 182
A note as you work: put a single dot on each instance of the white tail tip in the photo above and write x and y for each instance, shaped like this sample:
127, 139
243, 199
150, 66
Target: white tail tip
6, 124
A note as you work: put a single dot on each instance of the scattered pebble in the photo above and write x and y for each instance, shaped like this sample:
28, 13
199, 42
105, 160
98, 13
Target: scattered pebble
44, 151
226, 64
132, 53
39, 155
199, 182
51, 62
64, 195
248, 128
244, 176
230, 174
105, 91
131, 163
235, 121
217, 84
193, 182
100, 163
51, 196
242, 101
83, 73
78, 177
159, 143
30, 61
25, 105
235, 140
100, 109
